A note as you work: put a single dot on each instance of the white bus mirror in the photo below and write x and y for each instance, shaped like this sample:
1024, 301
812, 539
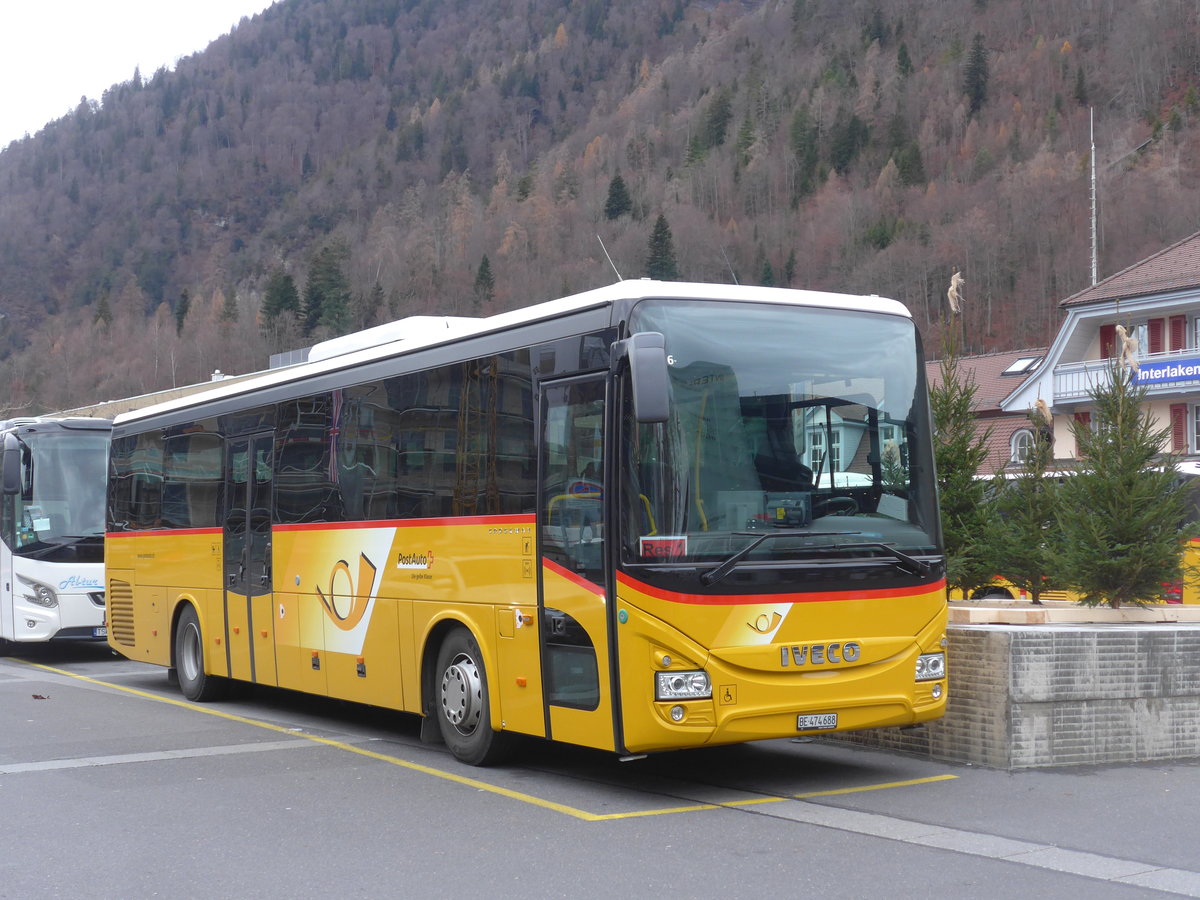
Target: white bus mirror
10, 467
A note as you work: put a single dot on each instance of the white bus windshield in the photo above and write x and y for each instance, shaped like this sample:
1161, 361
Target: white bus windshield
61, 498
806, 424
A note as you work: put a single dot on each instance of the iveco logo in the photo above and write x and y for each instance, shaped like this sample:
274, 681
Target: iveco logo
819, 654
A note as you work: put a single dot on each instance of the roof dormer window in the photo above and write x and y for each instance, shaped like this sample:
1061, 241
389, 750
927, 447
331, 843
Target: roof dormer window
1022, 366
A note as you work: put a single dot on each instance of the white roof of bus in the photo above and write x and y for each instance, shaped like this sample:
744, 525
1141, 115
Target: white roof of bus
415, 332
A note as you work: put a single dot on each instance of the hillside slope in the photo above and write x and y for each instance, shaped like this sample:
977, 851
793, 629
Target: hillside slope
855, 146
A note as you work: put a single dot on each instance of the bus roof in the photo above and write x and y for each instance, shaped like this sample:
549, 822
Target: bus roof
32, 423
417, 332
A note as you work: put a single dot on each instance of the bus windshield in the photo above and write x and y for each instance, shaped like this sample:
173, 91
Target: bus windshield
795, 434
61, 500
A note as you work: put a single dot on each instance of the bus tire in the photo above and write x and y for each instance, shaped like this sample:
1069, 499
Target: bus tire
463, 707
194, 683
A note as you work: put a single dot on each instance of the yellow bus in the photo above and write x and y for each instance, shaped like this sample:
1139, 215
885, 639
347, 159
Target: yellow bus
645, 517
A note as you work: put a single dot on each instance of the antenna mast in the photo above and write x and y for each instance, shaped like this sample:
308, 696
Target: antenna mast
609, 258
1092, 126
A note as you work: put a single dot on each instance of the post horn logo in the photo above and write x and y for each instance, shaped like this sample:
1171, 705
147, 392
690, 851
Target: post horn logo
345, 603
765, 624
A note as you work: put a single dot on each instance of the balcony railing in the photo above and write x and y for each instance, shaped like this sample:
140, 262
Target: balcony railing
1076, 381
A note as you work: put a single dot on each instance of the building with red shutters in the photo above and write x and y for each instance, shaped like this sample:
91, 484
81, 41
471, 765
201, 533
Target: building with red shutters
1152, 309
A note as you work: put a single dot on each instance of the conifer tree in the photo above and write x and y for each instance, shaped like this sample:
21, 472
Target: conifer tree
660, 256
327, 293
717, 116
485, 282
789, 269
619, 202
181, 310
804, 143
909, 165
975, 81
229, 310
1122, 513
848, 137
103, 316
281, 297
766, 275
958, 454
745, 140
1020, 530
1081, 91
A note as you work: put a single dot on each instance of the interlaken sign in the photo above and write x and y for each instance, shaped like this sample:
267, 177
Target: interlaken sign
1173, 370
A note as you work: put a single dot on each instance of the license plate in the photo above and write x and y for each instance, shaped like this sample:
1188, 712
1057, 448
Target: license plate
100, 631
816, 723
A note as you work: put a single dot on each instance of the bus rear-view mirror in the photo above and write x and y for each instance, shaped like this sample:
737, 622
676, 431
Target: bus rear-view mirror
10, 466
650, 381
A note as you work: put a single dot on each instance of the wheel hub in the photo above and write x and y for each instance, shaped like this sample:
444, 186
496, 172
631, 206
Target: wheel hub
189, 659
462, 694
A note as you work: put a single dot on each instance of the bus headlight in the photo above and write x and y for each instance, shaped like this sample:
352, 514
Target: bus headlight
931, 666
38, 593
682, 686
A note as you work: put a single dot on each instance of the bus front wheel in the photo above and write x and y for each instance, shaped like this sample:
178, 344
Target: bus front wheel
463, 707
189, 660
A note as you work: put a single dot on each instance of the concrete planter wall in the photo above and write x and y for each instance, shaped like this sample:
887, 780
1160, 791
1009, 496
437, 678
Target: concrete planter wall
1062, 695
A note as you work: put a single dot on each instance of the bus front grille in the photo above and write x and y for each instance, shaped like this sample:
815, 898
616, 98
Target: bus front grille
120, 612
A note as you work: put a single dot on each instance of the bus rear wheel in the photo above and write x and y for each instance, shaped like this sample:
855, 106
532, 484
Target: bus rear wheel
463, 707
189, 660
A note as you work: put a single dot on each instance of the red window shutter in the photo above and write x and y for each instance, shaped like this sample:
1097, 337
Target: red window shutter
1179, 427
1154, 329
1085, 421
1178, 332
1108, 341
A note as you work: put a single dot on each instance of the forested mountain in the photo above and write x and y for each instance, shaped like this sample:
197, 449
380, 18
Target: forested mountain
331, 164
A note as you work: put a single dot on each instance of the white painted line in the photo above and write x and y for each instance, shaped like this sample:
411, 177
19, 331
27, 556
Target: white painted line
120, 759
1025, 853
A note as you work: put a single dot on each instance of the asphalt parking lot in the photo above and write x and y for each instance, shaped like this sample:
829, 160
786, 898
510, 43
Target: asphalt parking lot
118, 787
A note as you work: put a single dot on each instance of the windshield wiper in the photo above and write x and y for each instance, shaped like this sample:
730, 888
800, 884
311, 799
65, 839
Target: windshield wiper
910, 564
39, 550
46, 546
714, 575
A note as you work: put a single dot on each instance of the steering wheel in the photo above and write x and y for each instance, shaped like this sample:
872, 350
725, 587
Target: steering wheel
839, 506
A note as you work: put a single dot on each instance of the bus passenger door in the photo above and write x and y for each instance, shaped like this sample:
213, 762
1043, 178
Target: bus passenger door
249, 642
573, 578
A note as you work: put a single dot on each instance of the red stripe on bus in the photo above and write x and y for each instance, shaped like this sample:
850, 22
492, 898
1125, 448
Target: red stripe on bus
573, 577
515, 519
757, 599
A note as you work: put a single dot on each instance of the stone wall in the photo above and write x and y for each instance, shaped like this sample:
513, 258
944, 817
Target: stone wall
1059, 695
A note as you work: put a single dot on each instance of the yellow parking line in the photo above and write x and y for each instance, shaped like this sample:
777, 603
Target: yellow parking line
340, 745
530, 799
